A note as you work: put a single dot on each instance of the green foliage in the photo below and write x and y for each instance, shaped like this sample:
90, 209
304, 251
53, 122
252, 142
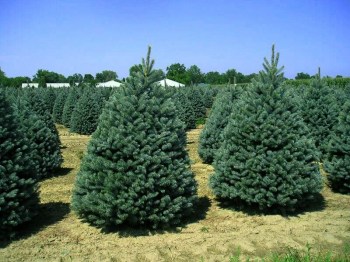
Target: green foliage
337, 164
177, 72
57, 113
198, 102
46, 147
136, 170
49, 96
85, 116
320, 111
185, 110
211, 136
106, 75
44, 76
19, 197
69, 105
267, 158
302, 75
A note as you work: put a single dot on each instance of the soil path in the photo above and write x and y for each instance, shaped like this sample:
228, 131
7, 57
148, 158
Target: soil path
215, 234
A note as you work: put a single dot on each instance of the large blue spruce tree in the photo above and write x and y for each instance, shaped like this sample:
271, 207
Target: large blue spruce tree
19, 198
267, 158
337, 164
136, 170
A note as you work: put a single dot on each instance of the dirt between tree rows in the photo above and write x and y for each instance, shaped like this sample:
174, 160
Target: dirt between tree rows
216, 233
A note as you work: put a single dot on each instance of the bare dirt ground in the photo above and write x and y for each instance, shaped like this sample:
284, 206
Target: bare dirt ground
214, 235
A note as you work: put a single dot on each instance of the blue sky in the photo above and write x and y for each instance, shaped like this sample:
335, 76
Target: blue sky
85, 36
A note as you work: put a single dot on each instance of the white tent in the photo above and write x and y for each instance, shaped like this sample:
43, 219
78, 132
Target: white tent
168, 82
111, 83
57, 85
30, 85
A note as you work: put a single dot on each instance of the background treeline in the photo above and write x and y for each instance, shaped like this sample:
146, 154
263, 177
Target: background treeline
192, 75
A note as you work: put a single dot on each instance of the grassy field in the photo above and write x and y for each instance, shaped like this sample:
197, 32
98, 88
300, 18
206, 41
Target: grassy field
217, 233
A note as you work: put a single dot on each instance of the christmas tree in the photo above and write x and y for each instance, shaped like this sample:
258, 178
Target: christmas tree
19, 197
69, 106
59, 105
136, 170
267, 158
47, 154
319, 111
85, 116
211, 137
337, 164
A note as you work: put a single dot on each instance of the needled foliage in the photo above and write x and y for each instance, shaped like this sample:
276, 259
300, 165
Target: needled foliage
69, 106
18, 185
197, 100
185, 110
136, 170
85, 116
337, 164
267, 158
59, 105
319, 111
47, 154
211, 137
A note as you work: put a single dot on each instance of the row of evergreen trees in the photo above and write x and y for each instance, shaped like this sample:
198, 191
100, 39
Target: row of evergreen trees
30, 151
137, 171
266, 142
79, 108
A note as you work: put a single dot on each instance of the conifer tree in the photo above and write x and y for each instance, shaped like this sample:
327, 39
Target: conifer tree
319, 111
196, 97
47, 155
136, 170
211, 136
69, 106
59, 105
185, 110
267, 158
49, 96
85, 116
337, 164
19, 197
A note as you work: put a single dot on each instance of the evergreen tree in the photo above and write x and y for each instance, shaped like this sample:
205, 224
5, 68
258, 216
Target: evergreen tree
196, 97
266, 158
185, 110
337, 164
49, 96
19, 197
85, 116
47, 155
211, 136
69, 106
319, 111
136, 170
59, 105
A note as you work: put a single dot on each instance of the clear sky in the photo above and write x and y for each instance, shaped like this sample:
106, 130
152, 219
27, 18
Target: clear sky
86, 36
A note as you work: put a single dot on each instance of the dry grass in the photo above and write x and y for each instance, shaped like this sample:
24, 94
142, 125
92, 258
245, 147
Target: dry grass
215, 235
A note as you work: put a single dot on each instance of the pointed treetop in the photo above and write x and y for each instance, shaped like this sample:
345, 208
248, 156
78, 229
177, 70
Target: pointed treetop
145, 73
271, 73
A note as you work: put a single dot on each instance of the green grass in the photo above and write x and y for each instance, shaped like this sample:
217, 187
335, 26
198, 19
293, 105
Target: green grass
294, 255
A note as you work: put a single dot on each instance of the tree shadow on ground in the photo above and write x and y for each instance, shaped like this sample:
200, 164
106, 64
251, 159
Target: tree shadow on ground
317, 203
48, 214
62, 171
199, 212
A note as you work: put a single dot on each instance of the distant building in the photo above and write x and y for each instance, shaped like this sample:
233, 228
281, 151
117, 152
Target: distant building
57, 85
34, 85
168, 82
111, 83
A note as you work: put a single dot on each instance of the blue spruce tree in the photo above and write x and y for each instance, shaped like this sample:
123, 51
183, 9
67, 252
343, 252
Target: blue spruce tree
19, 198
337, 164
211, 137
267, 158
136, 170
